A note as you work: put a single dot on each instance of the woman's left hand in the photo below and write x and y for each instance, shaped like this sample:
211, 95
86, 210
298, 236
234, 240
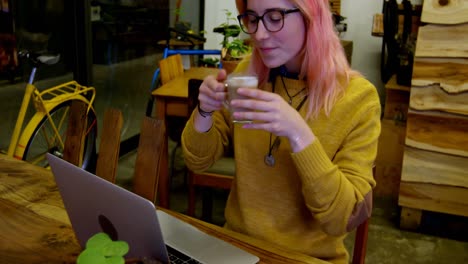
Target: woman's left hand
273, 114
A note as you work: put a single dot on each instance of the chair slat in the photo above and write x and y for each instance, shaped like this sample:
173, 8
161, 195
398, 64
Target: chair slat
149, 157
109, 146
74, 141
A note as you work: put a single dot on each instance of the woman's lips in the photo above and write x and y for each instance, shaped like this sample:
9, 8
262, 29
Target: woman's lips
266, 50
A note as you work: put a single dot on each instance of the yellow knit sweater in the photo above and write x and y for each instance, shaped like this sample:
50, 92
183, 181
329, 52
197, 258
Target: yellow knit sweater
305, 202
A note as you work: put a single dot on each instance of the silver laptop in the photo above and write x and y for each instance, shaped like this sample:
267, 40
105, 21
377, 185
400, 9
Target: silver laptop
96, 205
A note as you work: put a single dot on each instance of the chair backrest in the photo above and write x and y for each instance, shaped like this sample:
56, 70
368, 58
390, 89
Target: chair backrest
170, 68
149, 158
149, 153
109, 147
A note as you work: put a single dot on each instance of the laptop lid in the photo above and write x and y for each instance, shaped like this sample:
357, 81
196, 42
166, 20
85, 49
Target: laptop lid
95, 205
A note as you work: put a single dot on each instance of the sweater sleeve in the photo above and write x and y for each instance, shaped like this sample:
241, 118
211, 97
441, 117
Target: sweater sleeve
201, 150
338, 190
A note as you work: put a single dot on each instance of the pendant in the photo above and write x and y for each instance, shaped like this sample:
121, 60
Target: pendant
269, 160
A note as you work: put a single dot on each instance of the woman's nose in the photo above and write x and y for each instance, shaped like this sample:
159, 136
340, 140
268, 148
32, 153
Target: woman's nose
262, 32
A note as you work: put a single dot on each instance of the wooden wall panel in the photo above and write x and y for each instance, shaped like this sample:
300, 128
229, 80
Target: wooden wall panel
450, 74
436, 198
434, 98
442, 41
435, 131
433, 167
445, 12
435, 161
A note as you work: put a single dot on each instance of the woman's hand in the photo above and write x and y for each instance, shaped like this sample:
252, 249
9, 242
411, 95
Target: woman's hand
212, 92
273, 114
211, 96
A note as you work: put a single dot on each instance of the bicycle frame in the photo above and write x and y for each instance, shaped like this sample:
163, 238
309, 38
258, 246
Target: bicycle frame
44, 102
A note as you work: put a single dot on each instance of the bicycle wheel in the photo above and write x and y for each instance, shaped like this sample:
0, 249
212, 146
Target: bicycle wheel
43, 139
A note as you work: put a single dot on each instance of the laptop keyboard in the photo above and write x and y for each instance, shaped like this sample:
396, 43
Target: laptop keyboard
178, 257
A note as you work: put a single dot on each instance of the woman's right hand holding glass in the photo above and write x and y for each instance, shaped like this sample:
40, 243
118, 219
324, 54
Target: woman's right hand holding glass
211, 97
212, 93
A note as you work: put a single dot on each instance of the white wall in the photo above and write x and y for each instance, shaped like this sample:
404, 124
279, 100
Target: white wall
214, 16
366, 48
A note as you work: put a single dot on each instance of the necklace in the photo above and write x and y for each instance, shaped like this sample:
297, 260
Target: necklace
287, 93
269, 158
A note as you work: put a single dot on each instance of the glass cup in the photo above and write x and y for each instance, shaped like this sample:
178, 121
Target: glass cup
233, 82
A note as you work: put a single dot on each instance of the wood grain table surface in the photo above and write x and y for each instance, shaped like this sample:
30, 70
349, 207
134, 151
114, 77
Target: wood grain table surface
34, 226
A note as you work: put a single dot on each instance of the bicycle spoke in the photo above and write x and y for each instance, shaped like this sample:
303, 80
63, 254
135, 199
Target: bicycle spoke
50, 134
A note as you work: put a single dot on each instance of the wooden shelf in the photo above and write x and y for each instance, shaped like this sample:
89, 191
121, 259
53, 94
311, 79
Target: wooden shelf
393, 85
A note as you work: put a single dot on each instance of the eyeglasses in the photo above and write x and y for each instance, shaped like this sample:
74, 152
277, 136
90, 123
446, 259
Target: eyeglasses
273, 20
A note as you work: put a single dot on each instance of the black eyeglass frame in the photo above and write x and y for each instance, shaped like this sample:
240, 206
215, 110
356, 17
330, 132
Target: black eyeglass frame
283, 13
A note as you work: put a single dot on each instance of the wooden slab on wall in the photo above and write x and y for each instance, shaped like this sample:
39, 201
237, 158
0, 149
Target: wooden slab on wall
422, 166
436, 131
434, 98
436, 198
445, 12
442, 41
451, 74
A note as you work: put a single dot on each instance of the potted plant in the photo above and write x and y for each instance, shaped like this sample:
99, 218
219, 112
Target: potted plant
233, 47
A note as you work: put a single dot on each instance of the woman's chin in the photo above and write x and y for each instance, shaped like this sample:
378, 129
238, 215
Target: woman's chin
272, 63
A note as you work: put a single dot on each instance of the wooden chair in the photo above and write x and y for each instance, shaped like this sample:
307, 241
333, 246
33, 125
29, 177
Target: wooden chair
109, 147
219, 176
74, 141
149, 154
149, 158
170, 68
360, 241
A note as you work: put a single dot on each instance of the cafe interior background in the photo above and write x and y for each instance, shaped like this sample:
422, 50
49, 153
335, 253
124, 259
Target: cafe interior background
115, 46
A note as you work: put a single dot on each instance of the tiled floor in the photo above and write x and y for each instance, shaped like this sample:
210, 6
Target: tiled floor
125, 85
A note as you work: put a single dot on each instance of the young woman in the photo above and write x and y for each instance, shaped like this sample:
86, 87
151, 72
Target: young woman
304, 166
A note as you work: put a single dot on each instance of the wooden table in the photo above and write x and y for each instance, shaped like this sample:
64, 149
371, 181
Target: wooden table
171, 100
34, 226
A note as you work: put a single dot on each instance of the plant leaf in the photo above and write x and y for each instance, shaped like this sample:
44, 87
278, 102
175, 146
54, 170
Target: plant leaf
91, 256
98, 240
115, 260
115, 248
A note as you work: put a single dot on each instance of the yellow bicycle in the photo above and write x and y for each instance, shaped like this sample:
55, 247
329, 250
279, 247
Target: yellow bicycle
46, 130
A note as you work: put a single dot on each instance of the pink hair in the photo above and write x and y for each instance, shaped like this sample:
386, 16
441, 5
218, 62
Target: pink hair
324, 66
